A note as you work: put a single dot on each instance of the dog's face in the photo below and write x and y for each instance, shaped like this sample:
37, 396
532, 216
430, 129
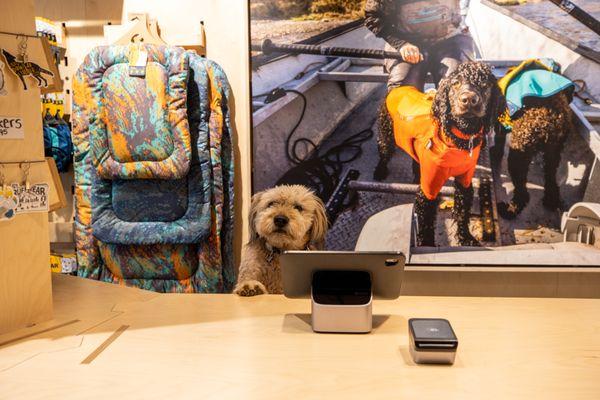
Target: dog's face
469, 96
288, 217
469, 99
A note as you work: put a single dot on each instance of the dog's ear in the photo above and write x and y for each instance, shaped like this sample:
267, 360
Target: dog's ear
252, 217
496, 108
441, 110
320, 224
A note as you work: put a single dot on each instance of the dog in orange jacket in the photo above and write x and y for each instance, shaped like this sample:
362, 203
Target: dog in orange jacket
443, 133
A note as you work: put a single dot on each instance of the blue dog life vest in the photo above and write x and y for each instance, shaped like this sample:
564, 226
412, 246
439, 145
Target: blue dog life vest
534, 83
532, 78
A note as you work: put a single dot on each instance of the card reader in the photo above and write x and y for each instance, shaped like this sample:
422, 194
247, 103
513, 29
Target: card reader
432, 341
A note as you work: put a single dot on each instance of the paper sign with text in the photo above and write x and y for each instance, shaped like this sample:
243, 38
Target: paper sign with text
34, 199
11, 127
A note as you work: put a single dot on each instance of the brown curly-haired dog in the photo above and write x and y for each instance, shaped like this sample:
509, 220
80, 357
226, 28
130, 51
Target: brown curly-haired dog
287, 217
543, 126
468, 99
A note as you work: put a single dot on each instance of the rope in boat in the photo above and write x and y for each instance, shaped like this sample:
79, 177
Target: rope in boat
581, 87
318, 171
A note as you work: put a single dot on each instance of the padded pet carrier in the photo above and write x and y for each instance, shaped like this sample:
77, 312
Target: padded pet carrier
153, 170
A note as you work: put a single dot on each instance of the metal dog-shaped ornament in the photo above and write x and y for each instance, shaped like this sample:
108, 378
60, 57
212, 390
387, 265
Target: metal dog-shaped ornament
26, 68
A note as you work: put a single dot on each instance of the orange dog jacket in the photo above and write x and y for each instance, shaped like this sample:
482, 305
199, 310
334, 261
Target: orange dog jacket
418, 134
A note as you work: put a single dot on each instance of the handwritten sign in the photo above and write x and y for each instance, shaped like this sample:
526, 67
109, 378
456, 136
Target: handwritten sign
11, 128
34, 199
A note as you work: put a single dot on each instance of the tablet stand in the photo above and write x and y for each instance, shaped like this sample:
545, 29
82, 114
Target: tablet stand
341, 301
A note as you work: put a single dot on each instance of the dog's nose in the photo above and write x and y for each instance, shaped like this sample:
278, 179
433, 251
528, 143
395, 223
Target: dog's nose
468, 98
280, 221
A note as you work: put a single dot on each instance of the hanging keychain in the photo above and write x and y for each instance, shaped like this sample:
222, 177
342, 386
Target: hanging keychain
2, 180
22, 68
3, 91
25, 175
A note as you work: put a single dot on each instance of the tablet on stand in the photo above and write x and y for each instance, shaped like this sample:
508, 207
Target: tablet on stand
342, 285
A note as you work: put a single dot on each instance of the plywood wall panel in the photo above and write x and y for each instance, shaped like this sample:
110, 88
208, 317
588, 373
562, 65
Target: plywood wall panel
25, 287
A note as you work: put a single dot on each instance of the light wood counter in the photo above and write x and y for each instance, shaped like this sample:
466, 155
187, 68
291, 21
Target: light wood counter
222, 346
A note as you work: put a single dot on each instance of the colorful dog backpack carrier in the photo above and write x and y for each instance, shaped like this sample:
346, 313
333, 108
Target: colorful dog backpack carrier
153, 170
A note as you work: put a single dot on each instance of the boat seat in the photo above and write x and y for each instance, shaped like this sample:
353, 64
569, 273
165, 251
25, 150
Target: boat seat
582, 224
378, 234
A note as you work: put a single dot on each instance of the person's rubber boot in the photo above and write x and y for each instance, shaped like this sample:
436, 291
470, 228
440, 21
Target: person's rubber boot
461, 212
426, 211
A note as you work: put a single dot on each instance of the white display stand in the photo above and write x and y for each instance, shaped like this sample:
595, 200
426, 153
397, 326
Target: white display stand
342, 302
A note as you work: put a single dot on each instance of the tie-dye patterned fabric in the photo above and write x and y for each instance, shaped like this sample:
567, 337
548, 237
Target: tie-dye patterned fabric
153, 171
213, 116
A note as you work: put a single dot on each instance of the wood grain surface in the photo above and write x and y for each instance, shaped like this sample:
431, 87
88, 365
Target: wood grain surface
25, 292
223, 346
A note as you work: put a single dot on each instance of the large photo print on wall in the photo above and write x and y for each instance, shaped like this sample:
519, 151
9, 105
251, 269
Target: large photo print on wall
425, 127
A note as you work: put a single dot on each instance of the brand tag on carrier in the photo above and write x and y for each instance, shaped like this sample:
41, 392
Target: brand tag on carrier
137, 65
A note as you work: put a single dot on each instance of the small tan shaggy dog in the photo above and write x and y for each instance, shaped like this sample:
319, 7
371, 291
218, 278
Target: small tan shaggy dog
282, 218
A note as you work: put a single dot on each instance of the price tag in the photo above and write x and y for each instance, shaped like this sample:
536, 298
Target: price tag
11, 128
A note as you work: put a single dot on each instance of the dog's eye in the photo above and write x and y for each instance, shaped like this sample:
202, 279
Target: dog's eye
299, 207
271, 204
455, 82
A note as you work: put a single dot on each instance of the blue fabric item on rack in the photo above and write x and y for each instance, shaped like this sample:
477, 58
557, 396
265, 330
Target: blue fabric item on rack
57, 142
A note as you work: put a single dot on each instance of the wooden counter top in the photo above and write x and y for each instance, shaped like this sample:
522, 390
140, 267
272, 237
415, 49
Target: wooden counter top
139, 344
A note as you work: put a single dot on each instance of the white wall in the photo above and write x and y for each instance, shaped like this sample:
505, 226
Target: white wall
226, 25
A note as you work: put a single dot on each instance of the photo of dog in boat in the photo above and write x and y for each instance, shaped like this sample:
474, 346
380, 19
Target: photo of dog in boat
369, 120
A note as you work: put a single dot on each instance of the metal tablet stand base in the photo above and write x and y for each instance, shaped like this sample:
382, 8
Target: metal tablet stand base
341, 302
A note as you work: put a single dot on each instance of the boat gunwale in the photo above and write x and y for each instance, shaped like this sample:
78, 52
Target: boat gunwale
577, 47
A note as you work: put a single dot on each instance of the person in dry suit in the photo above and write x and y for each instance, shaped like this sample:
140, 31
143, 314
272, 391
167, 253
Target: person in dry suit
418, 27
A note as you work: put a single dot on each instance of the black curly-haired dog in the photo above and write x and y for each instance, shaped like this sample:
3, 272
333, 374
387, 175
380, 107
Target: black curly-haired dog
542, 126
468, 99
